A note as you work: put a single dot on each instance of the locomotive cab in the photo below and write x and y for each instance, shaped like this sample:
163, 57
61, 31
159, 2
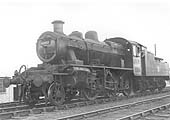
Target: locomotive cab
139, 52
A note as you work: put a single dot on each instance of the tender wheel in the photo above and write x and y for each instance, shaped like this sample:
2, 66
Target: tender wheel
56, 94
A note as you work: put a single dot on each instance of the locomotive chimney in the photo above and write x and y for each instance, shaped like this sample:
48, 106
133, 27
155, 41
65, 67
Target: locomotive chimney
58, 26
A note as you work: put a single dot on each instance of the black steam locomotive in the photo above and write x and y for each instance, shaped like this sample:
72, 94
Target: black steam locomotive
74, 66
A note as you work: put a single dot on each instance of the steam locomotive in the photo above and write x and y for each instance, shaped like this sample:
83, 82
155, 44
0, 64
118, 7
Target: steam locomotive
73, 66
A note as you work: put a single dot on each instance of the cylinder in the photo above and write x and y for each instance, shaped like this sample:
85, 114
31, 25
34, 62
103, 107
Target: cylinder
58, 26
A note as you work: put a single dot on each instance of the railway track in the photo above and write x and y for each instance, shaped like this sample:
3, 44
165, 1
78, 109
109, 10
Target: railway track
10, 104
157, 113
120, 108
16, 103
25, 110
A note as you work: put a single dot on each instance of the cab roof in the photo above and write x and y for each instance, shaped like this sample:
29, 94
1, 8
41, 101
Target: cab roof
136, 43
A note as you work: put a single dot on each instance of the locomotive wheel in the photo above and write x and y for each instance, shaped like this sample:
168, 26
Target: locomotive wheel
127, 77
160, 89
162, 85
90, 94
127, 92
27, 97
111, 77
56, 94
152, 89
111, 94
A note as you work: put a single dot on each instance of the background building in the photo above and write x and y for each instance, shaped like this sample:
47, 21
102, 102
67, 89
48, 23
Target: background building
6, 94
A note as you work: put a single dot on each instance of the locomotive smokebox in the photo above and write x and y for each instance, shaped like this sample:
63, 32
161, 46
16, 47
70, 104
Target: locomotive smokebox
58, 26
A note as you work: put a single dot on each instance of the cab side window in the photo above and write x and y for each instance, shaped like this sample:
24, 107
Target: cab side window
136, 51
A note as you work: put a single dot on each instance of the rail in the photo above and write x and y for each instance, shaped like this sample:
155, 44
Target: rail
110, 109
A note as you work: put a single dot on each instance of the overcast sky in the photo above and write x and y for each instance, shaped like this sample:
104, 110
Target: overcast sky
22, 22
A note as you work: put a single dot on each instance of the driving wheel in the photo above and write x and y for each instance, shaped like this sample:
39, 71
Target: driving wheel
56, 94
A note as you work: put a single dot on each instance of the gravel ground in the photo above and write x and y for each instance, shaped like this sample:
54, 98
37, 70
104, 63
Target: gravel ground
61, 113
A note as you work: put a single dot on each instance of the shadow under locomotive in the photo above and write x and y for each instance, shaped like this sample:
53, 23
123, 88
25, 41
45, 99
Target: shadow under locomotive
74, 66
